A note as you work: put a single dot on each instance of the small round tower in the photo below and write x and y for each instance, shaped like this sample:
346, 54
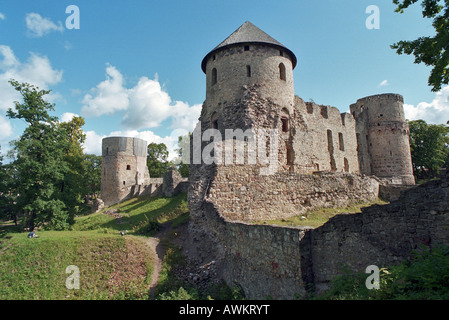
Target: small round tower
124, 167
249, 57
383, 138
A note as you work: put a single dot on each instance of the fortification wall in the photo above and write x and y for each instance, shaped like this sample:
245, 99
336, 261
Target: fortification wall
282, 263
326, 139
243, 194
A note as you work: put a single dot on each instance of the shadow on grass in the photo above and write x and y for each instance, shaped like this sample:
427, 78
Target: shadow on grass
154, 214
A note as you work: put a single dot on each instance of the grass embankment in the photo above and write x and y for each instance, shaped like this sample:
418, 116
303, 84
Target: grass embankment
318, 217
110, 266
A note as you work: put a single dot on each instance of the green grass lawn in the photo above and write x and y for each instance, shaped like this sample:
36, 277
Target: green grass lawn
318, 217
110, 266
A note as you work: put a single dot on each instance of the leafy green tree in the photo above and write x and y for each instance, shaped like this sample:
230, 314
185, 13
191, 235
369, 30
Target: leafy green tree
92, 175
183, 148
40, 162
74, 185
157, 159
432, 51
429, 146
7, 195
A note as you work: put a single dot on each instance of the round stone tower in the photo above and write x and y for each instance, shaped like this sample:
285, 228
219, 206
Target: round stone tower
249, 57
124, 168
383, 138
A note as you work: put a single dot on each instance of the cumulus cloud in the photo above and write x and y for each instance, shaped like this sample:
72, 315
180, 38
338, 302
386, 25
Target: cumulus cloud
6, 129
38, 26
146, 105
36, 70
92, 145
108, 97
435, 112
68, 116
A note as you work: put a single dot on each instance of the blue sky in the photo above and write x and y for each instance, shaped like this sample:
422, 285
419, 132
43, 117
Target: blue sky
133, 67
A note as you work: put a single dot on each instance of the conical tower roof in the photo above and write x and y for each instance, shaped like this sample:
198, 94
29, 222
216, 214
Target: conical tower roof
248, 33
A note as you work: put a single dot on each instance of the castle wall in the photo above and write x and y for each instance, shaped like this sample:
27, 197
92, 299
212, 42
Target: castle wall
284, 263
325, 140
243, 194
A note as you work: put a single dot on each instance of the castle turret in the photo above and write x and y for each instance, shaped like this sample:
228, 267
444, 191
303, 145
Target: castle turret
249, 57
383, 138
124, 168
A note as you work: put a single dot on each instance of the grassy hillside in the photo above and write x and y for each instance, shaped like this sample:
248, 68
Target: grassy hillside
111, 266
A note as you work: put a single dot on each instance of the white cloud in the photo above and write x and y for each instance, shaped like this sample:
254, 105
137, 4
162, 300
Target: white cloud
6, 129
146, 105
68, 116
384, 83
38, 26
92, 145
435, 112
108, 97
36, 70
2, 16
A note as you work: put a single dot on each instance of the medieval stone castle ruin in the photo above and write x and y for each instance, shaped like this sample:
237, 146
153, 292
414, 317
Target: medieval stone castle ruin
318, 157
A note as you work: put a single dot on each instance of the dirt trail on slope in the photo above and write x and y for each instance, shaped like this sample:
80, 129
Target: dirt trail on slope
158, 253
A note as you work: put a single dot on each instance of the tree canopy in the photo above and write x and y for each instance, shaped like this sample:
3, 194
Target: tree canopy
429, 146
157, 159
432, 51
49, 175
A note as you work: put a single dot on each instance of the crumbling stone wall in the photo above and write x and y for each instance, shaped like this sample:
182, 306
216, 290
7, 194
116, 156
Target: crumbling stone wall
283, 263
243, 194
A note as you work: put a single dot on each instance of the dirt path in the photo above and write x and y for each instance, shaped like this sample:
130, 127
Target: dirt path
158, 253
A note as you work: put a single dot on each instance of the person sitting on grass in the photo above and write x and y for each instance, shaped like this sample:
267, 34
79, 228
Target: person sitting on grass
32, 234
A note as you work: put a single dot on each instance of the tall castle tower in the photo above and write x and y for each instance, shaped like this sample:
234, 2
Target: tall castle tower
124, 168
248, 57
383, 138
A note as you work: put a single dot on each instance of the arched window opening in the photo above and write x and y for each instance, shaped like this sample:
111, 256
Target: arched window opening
214, 76
284, 124
282, 74
248, 71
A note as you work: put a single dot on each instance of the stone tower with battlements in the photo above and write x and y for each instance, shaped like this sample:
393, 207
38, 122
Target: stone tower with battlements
124, 168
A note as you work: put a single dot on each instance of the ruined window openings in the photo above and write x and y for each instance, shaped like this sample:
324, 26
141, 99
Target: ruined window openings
341, 141
284, 124
128, 167
282, 74
248, 71
214, 121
